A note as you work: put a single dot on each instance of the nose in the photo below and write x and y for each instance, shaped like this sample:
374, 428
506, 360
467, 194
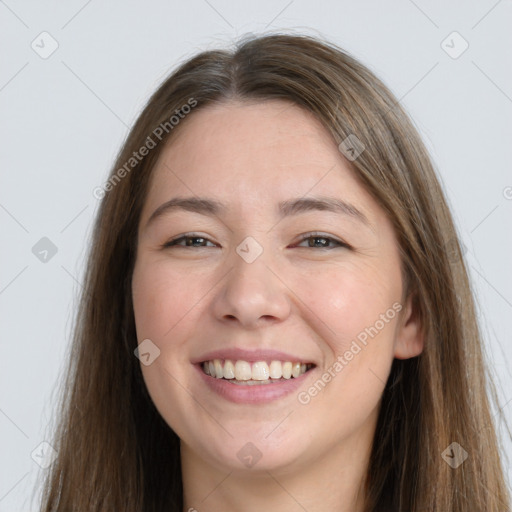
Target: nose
252, 294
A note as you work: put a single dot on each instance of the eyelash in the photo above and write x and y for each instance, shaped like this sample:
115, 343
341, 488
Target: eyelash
307, 236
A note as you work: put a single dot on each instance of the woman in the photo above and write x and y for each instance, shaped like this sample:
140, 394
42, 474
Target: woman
276, 313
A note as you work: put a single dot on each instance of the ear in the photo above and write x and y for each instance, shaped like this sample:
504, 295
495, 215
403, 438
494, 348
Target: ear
409, 339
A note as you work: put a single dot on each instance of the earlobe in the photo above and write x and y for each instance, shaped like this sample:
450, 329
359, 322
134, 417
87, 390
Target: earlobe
409, 338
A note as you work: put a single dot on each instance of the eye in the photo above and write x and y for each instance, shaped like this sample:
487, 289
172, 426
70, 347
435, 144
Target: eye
191, 240
322, 241
315, 241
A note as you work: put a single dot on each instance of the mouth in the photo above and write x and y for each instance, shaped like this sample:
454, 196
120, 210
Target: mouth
255, 377
257, 373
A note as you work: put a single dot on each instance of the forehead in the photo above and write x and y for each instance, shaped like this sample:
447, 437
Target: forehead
252, 154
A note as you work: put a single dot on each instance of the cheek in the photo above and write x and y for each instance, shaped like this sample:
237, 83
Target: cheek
163, 302
162, 298
358, 352
360, 311
349, 301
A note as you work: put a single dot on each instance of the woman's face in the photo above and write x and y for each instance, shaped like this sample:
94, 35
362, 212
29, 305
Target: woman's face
267, 279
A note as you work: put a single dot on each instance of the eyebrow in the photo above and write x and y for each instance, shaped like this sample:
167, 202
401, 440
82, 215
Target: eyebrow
211, 207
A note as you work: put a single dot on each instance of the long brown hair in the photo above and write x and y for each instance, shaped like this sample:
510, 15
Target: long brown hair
115, 452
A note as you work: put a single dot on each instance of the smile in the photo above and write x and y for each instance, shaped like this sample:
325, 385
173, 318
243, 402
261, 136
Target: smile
257, 373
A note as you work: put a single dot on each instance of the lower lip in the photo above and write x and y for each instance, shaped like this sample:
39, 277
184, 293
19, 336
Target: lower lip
256, 394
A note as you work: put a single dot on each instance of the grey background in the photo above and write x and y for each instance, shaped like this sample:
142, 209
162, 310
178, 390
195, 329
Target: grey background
64, 118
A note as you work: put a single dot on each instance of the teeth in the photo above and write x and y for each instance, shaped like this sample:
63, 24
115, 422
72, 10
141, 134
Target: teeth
219, 373
276, 370
260, 372
229, 369
243, 370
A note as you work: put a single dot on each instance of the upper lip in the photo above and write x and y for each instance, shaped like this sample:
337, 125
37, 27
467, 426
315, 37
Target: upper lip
251, 356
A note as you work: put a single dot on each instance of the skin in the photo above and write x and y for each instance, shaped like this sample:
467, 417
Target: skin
190, 300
